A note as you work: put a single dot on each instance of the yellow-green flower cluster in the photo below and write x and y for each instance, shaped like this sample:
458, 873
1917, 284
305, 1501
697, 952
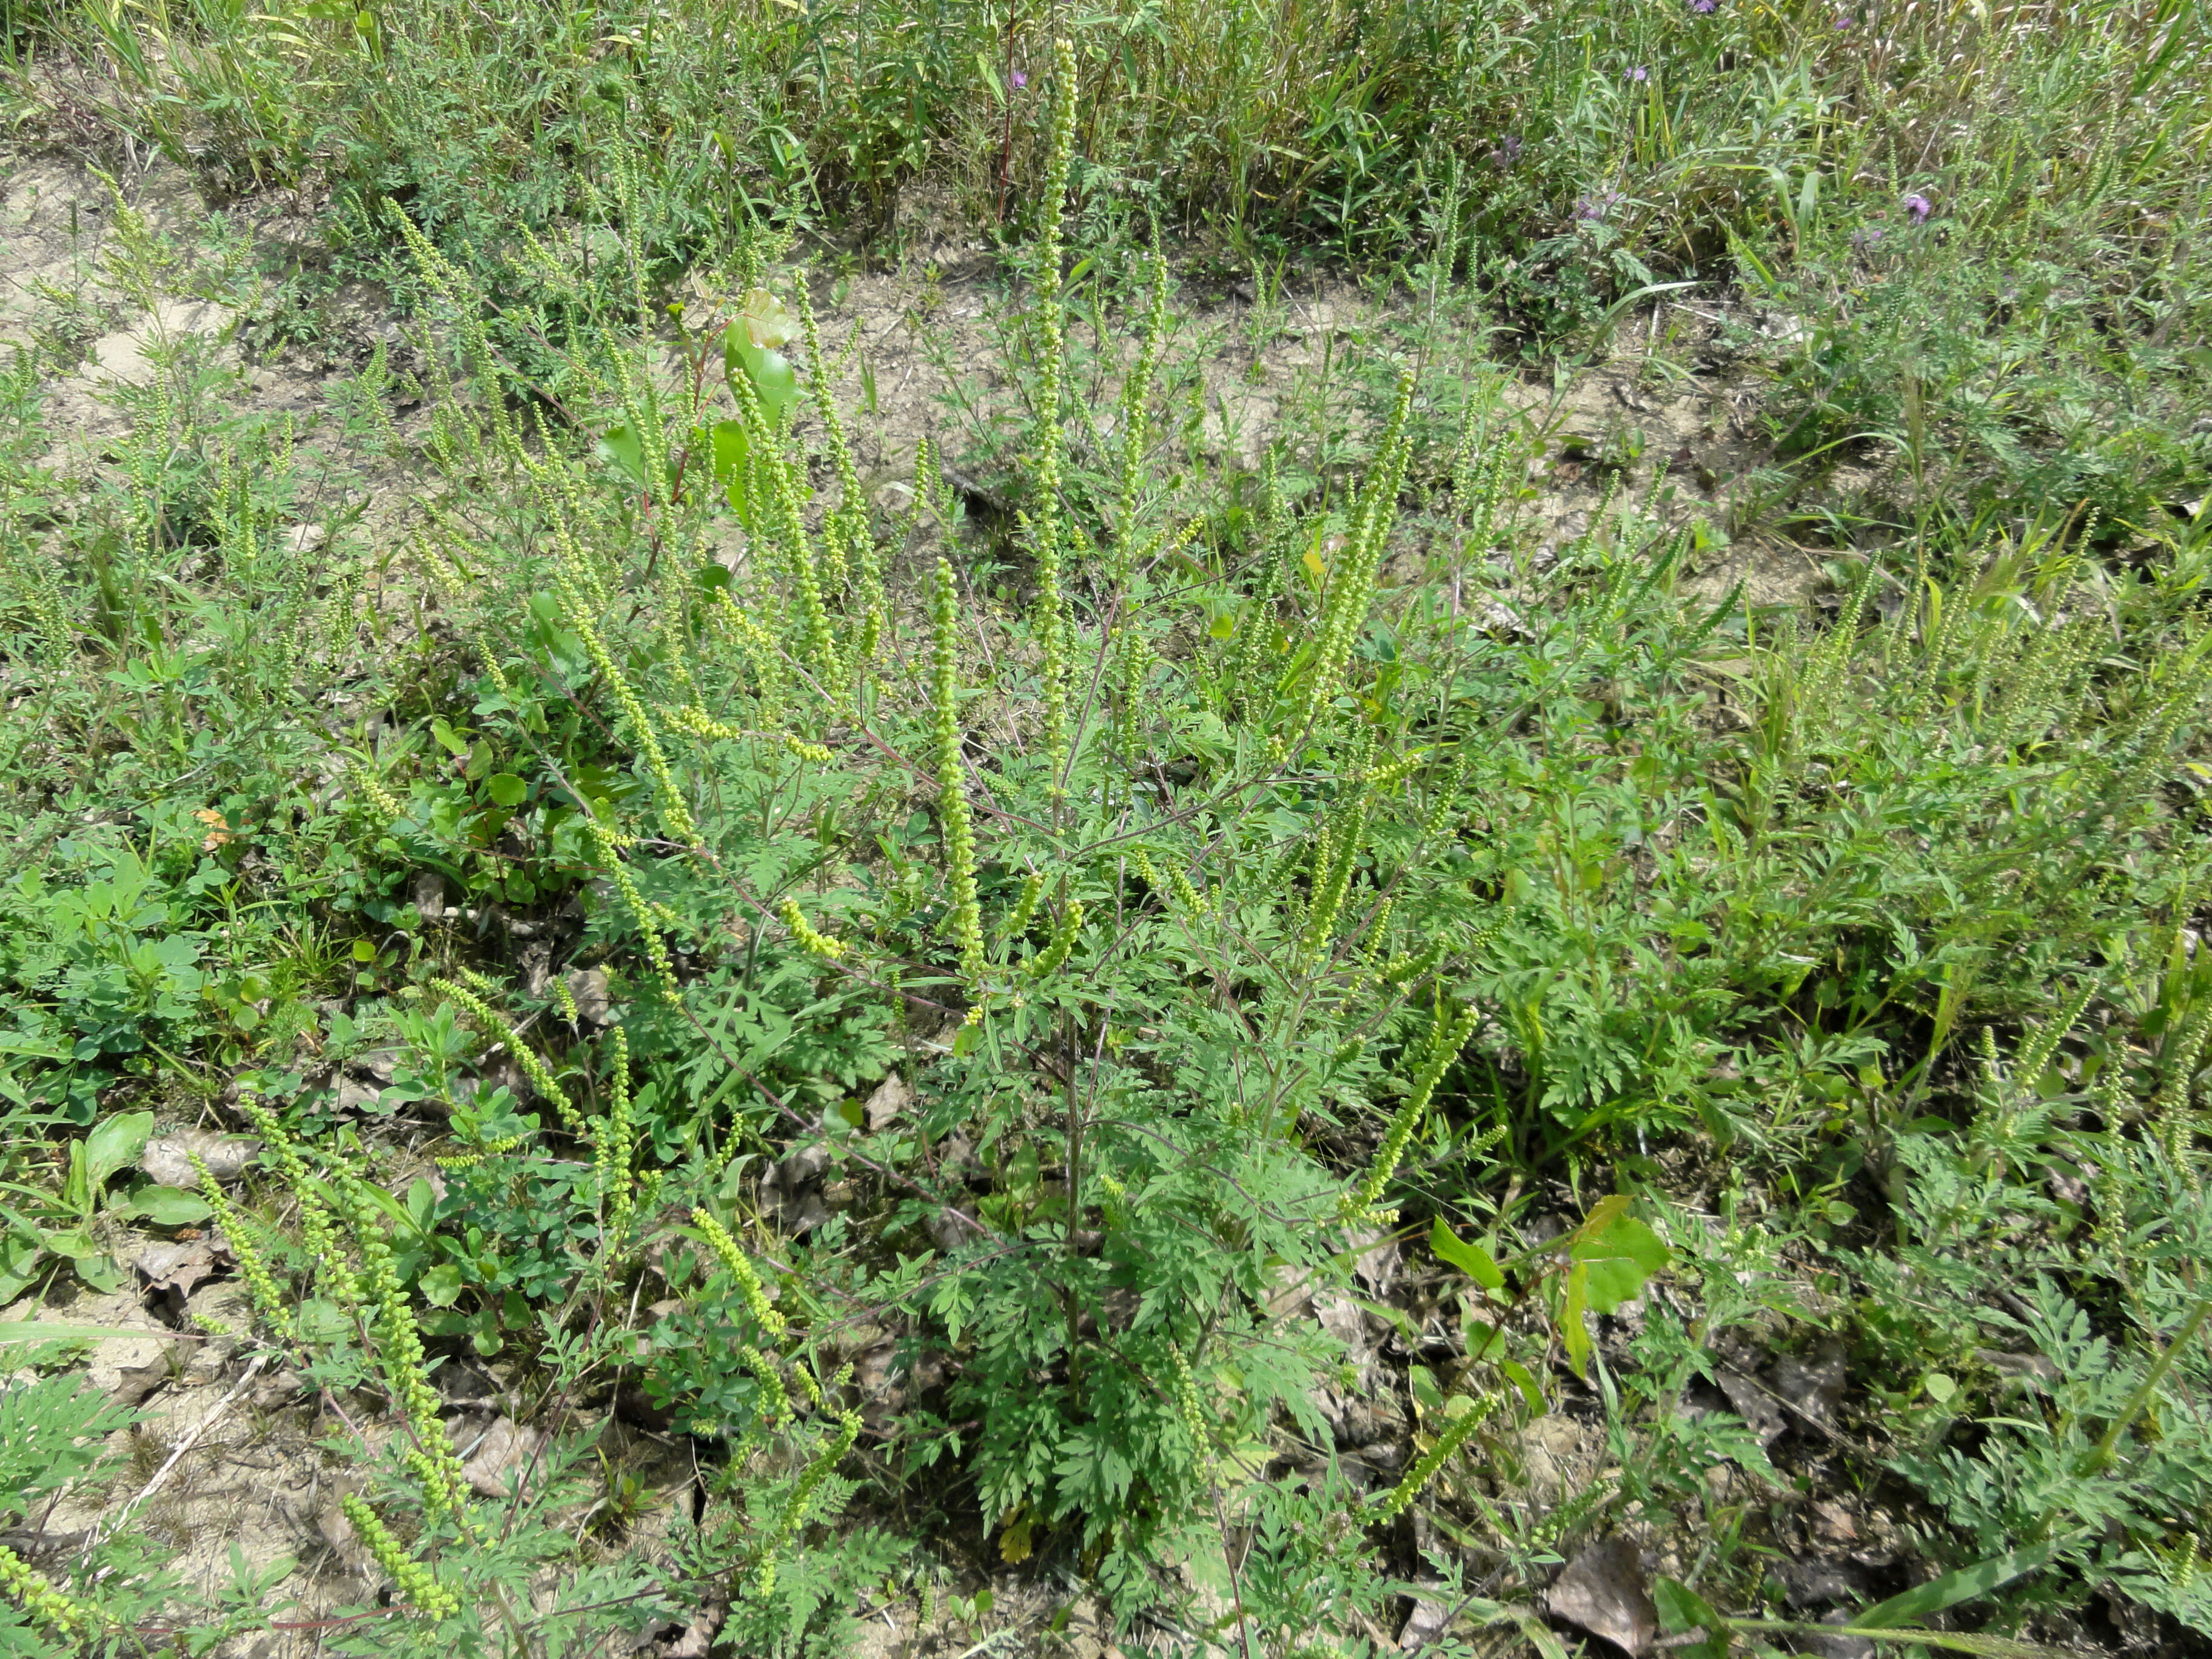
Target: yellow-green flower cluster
758, 644
1353, 587
72, 1619
453, 286
775, 1400
1454, 1437
1018, 918
322, 1240
817, 644
269, 1302
1064, 930
1194, 903
533, 1068
953, 795
1335, 857
804, 751
748, 1283
648, 924
675, 815
1188, 896
388, 805
414, 1580
802, 1498
1047, 534
492, 667
845, 532
697, 722
2174, 1111
616, 1185
407, 1370
1187, 1402
811, 940
1404, 766
1136, 422
1447, 1041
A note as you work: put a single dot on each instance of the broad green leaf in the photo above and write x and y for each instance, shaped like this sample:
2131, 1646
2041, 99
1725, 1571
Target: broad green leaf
167, 1206
620, 445
441, 1285
1618, 1256
98, 1270
115, 1145
732, 453
1427, 1396
1470, 1258
1517, 1375
1603, 1214
505, 789
765, 321
1574, 1329
1682, 1608
773, 380
448, 739
1953, 1588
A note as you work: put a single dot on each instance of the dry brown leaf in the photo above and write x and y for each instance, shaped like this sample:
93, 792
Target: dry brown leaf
589, 987
502, 1458
1752, 1403
167, 1159
173, 1272
1815, 1385
1602, 1590
889, 1100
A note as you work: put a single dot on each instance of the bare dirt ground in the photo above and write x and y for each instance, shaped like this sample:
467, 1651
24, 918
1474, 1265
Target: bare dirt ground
226, 1457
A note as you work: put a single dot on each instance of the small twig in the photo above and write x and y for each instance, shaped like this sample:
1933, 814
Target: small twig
108, 1529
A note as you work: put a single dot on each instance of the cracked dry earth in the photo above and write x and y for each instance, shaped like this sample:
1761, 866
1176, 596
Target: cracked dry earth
227, 1461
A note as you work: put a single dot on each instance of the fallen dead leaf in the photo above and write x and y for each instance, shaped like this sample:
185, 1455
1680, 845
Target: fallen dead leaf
1833, 1524
889, 1100
1753, 1404
589, 988
1423, 1624
1375, 1260
697, 1637
173, 1272
882, 1399
502, 1458
1602, 1590
167, 1159
1814, 1384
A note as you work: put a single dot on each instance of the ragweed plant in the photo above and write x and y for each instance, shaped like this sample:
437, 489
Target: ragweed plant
988, 990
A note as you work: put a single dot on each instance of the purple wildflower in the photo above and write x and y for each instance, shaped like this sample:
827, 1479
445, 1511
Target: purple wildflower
1020, 80
1866, 237
1919, 207
1639, 73
1701, 7
1597, 206
1507, 153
